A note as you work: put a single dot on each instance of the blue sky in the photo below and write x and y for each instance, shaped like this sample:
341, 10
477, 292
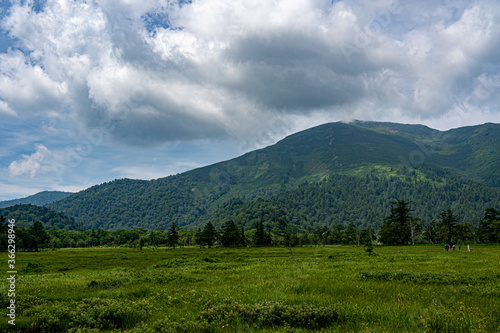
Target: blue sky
92, 91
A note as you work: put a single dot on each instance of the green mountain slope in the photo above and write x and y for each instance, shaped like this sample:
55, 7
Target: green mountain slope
472, 152
25, 215
469, 154
366, 200
39, 199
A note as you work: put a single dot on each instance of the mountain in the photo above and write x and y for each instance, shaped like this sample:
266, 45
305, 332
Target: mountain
378, 157
26, 214
39, 199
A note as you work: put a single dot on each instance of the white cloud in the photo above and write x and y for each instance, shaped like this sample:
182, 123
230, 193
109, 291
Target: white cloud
6, 110
27, 88
159, 71
30, 164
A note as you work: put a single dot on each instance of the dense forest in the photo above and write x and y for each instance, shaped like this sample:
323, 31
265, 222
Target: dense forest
363, 200
400, 227
26, 214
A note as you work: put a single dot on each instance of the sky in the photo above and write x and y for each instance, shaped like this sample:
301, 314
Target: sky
92, 91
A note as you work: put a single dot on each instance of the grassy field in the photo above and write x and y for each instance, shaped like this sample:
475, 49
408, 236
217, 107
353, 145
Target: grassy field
330, 289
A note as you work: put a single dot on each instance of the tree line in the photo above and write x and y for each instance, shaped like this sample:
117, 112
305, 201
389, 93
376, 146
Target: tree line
400, 227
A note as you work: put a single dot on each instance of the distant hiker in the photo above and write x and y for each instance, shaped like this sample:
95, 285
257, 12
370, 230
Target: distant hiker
459, 247
468, 248
453, 247
447, 247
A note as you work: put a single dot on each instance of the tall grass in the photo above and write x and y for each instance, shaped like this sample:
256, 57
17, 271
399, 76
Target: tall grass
334, 289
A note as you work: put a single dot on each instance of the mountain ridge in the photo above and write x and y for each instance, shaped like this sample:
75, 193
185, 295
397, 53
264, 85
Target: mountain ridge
38, 199
308, 156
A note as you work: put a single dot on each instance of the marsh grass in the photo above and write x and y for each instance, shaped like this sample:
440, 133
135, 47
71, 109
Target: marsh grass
334, 289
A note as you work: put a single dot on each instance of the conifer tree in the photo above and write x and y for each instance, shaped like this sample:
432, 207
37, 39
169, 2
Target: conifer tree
198, 237
40, 236
396, 229
243, 239
172, 236
209, 234
449, 222
259, 237
230, 234
487, 228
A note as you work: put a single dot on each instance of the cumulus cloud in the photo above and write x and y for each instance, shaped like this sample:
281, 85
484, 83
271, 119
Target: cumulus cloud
5, 109
164, 71
30, 164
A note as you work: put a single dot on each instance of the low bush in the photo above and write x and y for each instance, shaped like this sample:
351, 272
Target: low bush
33, 267
92, 313
271, 314
171, 263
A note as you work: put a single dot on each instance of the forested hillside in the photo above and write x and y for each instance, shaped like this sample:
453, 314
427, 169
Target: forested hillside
25, 215
365, 200
360, 163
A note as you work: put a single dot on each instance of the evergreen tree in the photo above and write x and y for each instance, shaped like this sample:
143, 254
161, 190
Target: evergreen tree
243, 239
337, 234
40, 236
396, 230
209, 234
230, 234
259, 236
486, 232
198, 237
449, 222
350, 234
496, 230
173, 236
465, 232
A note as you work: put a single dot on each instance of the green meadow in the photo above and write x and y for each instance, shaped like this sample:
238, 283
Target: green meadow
324, 288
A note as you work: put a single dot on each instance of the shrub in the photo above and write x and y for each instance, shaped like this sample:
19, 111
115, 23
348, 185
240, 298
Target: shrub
171, 263
208, 259
33, 267
93, 313
271, 314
